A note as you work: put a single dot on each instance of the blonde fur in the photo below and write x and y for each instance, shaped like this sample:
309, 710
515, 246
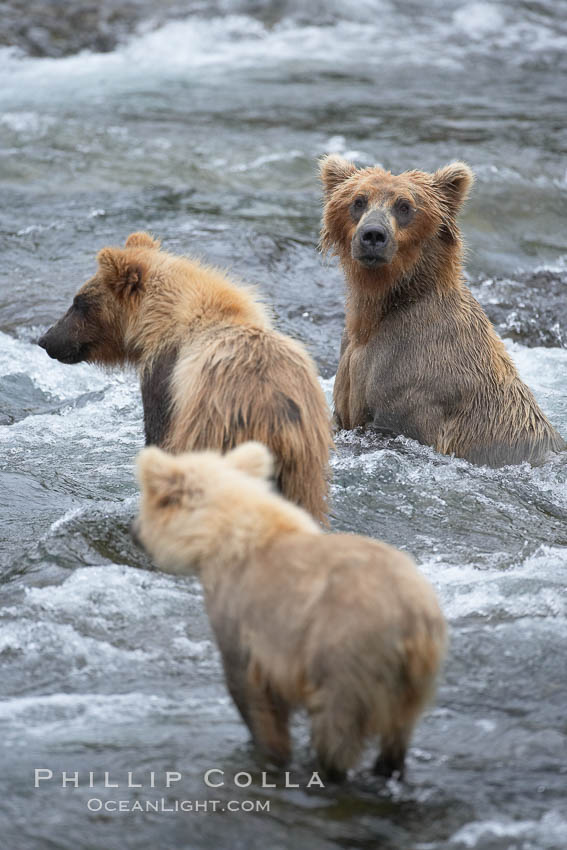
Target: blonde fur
214, 373
341, 625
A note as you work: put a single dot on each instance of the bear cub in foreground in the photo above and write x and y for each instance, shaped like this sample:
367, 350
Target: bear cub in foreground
213, 371
419, 356
343, 626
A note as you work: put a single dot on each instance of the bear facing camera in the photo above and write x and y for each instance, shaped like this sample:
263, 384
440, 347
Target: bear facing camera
419, 356
343, 626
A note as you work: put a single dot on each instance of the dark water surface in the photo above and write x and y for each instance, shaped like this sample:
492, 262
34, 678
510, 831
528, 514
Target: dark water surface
206, 131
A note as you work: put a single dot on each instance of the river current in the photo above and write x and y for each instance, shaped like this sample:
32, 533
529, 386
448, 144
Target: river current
206, 131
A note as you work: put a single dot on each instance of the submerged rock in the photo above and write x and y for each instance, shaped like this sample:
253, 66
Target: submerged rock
59, 28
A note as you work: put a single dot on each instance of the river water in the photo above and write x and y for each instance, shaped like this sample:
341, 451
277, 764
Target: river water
206, 131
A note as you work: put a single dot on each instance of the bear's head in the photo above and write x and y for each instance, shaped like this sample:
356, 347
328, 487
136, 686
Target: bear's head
383, 225
194, 504
95, 327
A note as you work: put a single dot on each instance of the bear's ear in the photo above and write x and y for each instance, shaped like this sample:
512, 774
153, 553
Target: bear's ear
160, 476
253, 458
334, 170
124, 276
142, 240
454, 182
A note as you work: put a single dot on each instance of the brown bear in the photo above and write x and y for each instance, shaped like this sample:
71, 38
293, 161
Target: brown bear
419, 357
213, 371
343, 626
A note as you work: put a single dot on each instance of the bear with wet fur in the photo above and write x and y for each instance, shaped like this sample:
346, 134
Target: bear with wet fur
213, 371
419, 356
341, 625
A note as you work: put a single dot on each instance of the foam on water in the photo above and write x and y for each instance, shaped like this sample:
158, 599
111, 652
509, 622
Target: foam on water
534, 588
243, 42
94, 629
83, 719
53, 709
479, 20
97, 596
43, 641
24, 356
546, 834
92, 418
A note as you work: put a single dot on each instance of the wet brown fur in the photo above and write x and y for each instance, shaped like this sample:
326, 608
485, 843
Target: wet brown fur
343, 626
419, 356
214, 372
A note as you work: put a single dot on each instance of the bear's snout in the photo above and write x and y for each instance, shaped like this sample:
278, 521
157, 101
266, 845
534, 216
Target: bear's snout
62, 350
373, 243
62, 343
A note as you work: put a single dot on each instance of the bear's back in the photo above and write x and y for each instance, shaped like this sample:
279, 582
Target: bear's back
235, 383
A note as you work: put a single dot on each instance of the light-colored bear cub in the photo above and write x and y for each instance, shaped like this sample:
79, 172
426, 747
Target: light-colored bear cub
341, 625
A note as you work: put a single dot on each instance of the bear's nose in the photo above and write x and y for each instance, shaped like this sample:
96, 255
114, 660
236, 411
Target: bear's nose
41, 341
374, 236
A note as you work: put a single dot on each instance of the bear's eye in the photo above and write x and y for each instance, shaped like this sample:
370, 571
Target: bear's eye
404, 211
357, 207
